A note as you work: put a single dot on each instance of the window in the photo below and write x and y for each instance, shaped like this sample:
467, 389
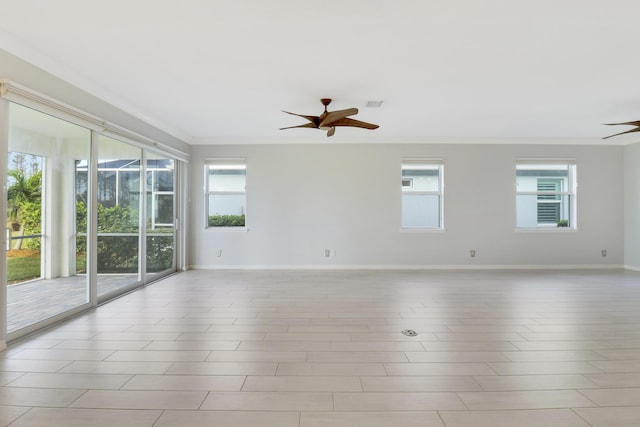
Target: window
225, 192
545, 194
422, 194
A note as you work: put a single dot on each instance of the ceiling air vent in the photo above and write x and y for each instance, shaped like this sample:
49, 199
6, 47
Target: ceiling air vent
374, 104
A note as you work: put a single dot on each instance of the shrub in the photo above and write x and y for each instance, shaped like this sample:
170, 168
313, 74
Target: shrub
226, 221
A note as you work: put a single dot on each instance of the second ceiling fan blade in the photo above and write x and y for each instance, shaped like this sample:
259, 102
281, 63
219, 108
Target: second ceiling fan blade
354, 123
306, 125
622, 133
312, 119
337, 115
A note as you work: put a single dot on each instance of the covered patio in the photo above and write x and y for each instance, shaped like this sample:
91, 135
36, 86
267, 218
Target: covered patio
36, 300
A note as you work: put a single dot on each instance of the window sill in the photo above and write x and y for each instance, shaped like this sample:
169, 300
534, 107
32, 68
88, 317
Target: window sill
546, 230
227, 229
422, 230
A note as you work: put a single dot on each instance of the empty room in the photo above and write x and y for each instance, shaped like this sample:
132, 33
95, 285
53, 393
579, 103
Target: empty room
357, 213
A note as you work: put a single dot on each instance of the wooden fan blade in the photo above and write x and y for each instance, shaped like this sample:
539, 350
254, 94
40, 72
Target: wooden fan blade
622, 133
313, 119
331, 131
337, 115
354, 123
636, 123
306, 125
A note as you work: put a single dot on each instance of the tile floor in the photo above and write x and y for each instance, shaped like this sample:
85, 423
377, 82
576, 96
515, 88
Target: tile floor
325, 348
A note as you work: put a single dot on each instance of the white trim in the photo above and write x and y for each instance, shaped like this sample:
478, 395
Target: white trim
631, 267
410, 267
546, 161
422, 230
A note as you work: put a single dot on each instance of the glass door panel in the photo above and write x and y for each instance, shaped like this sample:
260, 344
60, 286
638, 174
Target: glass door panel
44, 279
160, 215
119, 171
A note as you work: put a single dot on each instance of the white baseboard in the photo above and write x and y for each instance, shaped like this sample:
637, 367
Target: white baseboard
413, 267
631, 267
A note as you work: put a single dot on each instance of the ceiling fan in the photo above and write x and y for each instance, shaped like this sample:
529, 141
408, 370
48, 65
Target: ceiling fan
636, 129
328, 120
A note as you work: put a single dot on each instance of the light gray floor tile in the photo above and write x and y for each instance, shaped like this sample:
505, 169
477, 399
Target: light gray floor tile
228, 419
285, 346
302, 383
614, 396
66, 417
11, 413
491, 346
158, 356
101, 345
398, 369
528, 418
420, 383
371, 419
397, 401
73, 381
630, 379
533, 368
15, 365
116, 367
355, 356
7, 377
56, 354
375, 346
17, 396
257, 356
125, 399
343, 369
524, 400
614, 366
626, 416
534, 382
266, 401
620, 354
192, 345
222, 368
553, 356
185, 383
456, 356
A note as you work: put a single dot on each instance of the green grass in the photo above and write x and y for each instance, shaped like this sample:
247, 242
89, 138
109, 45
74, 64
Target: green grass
20, 269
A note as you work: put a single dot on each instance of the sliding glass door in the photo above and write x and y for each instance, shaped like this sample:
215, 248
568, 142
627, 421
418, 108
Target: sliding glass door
88, 217
119, 189
160, 218
44, 273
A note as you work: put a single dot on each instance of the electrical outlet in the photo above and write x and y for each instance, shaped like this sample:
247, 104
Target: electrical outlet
327, 253
604, 253
219, 253
472, 252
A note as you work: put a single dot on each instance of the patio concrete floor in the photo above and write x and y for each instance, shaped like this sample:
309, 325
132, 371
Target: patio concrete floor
37, 300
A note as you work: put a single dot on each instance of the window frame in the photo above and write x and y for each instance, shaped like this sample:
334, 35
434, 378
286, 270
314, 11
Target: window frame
405, 163
570, 192
224, 163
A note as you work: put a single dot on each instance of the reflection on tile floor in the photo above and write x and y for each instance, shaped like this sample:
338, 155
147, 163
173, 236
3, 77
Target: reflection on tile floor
324, 348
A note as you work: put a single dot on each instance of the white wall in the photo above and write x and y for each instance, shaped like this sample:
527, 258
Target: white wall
303, 199
632, 206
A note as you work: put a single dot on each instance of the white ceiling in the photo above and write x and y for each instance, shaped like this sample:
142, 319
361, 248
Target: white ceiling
207, 70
